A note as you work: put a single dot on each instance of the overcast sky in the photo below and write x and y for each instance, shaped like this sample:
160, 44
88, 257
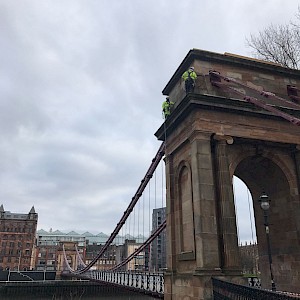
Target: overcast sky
80, 95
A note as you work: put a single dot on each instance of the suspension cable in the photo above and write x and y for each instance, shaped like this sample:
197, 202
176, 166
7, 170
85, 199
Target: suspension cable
266, 94
236, 213
255, 101
149, 208
162, 185
135, 198
81, 262
142, 247
250, 215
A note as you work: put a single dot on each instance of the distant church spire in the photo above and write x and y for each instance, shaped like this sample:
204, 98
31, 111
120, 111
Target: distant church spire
32, 211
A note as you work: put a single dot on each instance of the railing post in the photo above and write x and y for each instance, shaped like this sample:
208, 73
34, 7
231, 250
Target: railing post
154, 289
137, 277
148, 282
161, 283
142, 280
127, 278
131, 276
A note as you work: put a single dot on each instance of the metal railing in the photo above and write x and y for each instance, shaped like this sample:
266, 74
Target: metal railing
254, 281
223, 290
145, 282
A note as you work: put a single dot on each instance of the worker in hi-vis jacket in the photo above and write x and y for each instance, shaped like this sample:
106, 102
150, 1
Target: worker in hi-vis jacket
189, 78
166, 107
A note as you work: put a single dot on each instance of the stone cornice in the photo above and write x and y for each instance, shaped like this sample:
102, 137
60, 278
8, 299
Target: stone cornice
231, 59
216, 103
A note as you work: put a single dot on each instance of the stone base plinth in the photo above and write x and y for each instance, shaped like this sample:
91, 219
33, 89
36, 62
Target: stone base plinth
194, 286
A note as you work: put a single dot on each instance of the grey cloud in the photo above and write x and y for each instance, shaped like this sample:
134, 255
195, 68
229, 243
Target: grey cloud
80, 95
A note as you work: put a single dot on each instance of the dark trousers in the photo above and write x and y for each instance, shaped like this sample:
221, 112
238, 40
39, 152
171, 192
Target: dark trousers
189, 85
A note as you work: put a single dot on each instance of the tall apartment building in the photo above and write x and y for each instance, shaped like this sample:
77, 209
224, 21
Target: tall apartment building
17, 239
158, 248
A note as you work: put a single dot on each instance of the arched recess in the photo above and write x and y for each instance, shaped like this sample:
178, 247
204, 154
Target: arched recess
184, 212
262, 173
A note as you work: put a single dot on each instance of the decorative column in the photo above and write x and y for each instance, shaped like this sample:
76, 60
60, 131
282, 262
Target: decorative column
296, 208
170, 247
297, 165
205, 219
170, 229
230, 256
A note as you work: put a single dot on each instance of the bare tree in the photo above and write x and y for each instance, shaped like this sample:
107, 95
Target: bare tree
278, 43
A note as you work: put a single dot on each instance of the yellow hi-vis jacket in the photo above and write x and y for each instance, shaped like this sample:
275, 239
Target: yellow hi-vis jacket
166, 107
189, 74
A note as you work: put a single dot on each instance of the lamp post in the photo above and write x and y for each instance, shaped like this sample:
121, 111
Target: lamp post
265, 205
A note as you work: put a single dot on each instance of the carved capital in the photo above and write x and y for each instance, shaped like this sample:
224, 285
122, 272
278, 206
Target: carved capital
199, 135
223, 138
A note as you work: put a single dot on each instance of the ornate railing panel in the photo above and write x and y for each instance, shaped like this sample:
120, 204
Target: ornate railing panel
223, 290
148, 283
254, 282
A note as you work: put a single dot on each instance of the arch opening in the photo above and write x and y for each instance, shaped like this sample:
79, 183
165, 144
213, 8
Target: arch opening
244, 212
261, 174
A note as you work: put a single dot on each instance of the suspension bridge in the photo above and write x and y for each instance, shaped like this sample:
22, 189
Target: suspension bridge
241, 120
143, 279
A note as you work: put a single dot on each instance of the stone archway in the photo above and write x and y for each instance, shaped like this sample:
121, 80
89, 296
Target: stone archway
218, 136
262, 173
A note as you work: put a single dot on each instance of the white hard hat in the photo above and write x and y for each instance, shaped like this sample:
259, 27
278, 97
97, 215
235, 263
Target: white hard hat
192, 68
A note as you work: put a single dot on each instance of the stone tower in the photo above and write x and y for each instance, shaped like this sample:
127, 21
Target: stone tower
217, 132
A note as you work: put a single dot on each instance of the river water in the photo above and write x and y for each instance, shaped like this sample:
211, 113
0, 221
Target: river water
103, 293
70, 297
67, 290
112, 297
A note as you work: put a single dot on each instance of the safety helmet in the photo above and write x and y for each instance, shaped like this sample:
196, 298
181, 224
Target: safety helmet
192, 68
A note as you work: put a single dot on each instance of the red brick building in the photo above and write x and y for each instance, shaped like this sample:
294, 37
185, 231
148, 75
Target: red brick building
17, 239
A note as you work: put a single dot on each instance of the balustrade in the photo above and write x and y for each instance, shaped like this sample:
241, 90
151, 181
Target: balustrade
152, 283
226, 290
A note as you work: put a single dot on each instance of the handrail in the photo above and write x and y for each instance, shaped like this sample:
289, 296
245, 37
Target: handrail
227, 290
